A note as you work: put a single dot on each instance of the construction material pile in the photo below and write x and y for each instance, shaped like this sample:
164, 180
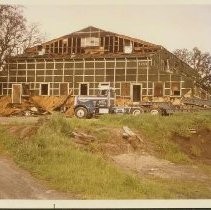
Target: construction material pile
36, 105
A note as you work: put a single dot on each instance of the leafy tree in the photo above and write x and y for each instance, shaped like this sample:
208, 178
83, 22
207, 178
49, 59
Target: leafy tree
201, 61
15, 33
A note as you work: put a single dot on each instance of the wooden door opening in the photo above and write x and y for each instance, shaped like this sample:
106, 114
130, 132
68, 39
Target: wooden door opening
44, 89
64, 89
25, 89
16, 93
1, 89
158, 89
136, 92
84, 89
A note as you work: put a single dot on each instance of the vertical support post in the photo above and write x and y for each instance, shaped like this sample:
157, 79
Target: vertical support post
147, 75
137, 70
54, 66
83, 69
104, 79
115, 74
26, 71
63, 71
73, 76
125, 68
118, 45
170, 84
94, 76
114, 37
35, 74
71, 45
44, 70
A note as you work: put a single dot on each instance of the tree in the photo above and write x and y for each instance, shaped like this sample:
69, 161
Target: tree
200, 61
15, 34
32, 36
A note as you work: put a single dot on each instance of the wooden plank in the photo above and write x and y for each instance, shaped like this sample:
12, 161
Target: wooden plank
128, 131
64, 89
16, 93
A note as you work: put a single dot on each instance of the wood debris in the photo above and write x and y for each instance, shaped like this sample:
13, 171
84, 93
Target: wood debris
83, 138
129, 133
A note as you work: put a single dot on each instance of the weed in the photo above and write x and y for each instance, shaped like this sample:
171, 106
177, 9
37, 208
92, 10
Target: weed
50, 155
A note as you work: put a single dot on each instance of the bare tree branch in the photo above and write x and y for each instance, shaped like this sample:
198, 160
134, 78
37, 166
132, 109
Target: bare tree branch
15, 34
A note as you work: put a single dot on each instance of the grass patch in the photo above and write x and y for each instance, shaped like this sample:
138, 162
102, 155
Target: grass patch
159, 130
50, 155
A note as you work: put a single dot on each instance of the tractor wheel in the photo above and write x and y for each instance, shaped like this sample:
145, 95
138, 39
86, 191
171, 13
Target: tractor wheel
137, 111
81, 112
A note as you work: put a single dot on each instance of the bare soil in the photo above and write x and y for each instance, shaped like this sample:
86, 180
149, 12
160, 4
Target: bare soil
16, 183
148, 165
197, 146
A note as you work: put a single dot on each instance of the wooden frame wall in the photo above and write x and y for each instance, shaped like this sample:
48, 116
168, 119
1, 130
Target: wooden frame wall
92, 71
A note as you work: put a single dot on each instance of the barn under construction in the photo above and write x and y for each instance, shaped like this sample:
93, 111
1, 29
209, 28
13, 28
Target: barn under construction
78, 63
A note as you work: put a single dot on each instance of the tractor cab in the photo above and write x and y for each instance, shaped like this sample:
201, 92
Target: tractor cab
102, 103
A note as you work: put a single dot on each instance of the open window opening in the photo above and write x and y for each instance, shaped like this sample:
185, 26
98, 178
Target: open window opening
175, 88
90, 42
44, 89
128, 48
84, 88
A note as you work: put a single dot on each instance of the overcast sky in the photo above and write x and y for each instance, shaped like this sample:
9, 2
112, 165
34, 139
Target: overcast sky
172, 26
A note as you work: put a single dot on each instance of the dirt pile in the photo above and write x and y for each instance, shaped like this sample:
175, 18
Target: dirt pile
113, 142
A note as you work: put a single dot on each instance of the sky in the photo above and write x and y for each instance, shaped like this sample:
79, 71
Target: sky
172, 25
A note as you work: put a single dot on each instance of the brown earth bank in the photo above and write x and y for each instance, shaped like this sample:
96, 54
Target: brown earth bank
197, 146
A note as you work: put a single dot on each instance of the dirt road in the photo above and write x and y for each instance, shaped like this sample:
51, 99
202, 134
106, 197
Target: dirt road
15, 183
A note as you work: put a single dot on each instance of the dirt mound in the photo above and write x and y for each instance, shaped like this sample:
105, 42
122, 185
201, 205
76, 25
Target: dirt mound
197, 146
112, 143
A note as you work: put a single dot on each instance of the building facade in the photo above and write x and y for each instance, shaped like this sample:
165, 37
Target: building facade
77, 63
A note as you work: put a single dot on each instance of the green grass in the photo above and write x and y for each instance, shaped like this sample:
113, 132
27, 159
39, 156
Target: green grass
51, 156
159, 130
